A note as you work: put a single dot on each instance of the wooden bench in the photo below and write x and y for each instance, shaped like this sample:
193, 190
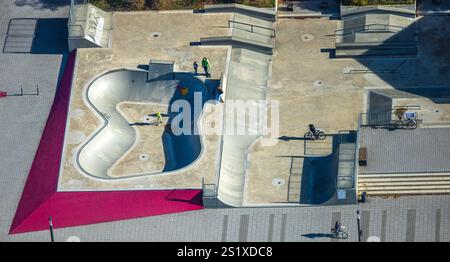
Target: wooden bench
362, 158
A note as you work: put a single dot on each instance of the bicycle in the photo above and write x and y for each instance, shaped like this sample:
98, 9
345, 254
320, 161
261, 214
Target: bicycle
338, 234
319, 134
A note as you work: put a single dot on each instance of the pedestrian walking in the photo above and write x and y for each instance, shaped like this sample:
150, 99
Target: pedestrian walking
196, 67
206, 66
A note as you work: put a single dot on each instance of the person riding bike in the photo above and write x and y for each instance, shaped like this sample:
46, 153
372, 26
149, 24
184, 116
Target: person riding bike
338, 227
314, 133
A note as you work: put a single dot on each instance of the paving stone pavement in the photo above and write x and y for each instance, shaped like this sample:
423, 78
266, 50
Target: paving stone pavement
22, 120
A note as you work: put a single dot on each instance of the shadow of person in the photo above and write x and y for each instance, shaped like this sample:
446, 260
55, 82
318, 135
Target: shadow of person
316, 235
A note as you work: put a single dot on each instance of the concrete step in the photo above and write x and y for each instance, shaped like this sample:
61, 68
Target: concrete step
402, 179
410, 192
403, 183
400, 187
264, 14
370, 52
401, 175
237, 42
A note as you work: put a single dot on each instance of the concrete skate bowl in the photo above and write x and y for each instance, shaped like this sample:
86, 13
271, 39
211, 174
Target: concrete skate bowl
116, 136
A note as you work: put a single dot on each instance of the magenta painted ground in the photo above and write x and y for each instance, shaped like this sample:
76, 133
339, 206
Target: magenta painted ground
40, 198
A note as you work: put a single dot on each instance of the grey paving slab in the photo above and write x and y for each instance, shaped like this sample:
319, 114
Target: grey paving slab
411, 225
383, 226
243, 228
224, 228
283, 228
437, 232
270, 229
389, 148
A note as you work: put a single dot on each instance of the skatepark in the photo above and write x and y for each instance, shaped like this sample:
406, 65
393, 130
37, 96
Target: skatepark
112, 147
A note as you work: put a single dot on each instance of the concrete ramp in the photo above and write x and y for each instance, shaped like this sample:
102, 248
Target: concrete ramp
264, 14
116, 136
247, 79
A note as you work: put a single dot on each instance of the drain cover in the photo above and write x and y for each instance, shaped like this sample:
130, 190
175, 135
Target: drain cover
143, 157
278, 182
307, 37
318, 83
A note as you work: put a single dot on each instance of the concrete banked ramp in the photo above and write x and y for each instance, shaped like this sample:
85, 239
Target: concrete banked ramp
115, 137
247, 78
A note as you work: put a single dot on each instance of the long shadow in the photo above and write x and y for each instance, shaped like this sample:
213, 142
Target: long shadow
319, 174
51, 38
316, 235
428, 73
181, 150
289, 138
196, 200
48, 37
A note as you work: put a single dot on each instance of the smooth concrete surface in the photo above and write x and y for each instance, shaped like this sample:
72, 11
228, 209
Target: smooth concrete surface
133, 46
117, 135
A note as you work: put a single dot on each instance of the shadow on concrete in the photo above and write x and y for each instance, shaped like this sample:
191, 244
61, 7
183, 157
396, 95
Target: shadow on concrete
178, 196
426, 74
143, 124
319, 174
331, 52
316, 235
43, 4
289, 138
329, 8
51, 36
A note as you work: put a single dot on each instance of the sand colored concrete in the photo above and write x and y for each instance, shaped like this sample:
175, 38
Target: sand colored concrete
134, 45
147, 155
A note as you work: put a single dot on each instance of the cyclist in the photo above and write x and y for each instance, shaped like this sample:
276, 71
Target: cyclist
338, 227
313, 130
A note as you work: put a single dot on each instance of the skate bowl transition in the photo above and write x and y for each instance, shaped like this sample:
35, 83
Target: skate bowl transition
116, 136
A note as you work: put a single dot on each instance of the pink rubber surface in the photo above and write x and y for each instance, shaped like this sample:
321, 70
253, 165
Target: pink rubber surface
40, 198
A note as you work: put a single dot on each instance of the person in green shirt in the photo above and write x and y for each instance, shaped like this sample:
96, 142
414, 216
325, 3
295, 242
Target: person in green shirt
206, 66
158, 118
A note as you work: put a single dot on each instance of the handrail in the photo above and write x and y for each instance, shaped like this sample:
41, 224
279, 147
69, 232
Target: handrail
340, 32
251, 26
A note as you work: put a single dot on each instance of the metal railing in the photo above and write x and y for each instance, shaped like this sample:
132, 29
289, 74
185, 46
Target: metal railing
230, 22
369, 27
384, 118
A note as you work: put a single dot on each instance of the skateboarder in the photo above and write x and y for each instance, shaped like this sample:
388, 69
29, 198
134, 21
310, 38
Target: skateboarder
158, 118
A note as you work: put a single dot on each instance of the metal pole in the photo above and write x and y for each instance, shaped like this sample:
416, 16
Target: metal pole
358, 219
51, 229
